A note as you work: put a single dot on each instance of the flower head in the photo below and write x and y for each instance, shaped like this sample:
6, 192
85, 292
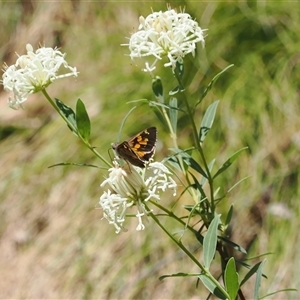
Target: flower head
33, 72
129, 186
166, 33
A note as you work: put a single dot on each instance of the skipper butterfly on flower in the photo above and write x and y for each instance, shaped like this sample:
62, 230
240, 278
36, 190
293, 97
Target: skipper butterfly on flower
139, 149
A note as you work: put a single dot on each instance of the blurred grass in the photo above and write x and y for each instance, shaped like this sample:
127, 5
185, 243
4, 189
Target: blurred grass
53, 242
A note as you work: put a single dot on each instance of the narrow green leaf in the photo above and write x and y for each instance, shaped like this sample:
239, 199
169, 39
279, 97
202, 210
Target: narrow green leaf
180, 274
229, 162
231, 279
252, 271
279, 291
176, 90
173, 161
258, 280
194, 210
233, 245
208, 120
211, 286
237, 183
199, 237
255, 257
142, 101
82, 120
189, 161
154, 103
210, 241
75, 164
210, 85
188, 207
173, 113
67, 112
229, 215
198, 185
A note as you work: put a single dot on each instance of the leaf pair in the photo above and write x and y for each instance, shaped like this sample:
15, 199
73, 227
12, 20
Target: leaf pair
79, 123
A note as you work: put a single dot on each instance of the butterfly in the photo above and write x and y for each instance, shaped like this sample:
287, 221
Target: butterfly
139, 149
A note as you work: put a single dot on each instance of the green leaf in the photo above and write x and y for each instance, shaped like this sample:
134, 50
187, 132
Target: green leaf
252, 271
233, 245
211, 286
199, 237
142, 101
255, 257
229, 216
258, 280
178, 73
157, 88
237, 183
154, 103
83, 120
180, 274
210, 241
75, 164
173, 161
208, 120
231, 279
173, 113
194, 210
68, 113
176, 90
229, 162
209, 87
189, 161
279, 291
197, 185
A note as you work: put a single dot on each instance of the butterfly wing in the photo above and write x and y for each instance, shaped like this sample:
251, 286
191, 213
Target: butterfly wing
125, 151
138, 149
143, 144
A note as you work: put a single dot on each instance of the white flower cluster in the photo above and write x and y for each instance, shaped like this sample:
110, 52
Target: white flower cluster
130, 185
166, 33
33, 72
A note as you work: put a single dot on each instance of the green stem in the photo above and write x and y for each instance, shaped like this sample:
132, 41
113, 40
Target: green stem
210, 180
201, 153
75, 129
173, 136
172, 215
179, 244
188, 253
174, 139
194, 128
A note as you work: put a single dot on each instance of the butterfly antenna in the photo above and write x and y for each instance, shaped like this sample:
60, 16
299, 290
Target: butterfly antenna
123, 122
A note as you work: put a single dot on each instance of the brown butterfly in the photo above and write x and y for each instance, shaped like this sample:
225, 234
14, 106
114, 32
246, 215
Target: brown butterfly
138, 149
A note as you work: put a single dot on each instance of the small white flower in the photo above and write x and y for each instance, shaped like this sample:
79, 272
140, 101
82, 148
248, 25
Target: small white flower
130, 185
33, 72
166, 33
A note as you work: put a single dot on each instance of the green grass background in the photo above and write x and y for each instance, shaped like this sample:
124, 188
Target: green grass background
53, 242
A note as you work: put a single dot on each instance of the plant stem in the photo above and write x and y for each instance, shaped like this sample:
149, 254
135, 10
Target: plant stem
74, 129
204, 271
